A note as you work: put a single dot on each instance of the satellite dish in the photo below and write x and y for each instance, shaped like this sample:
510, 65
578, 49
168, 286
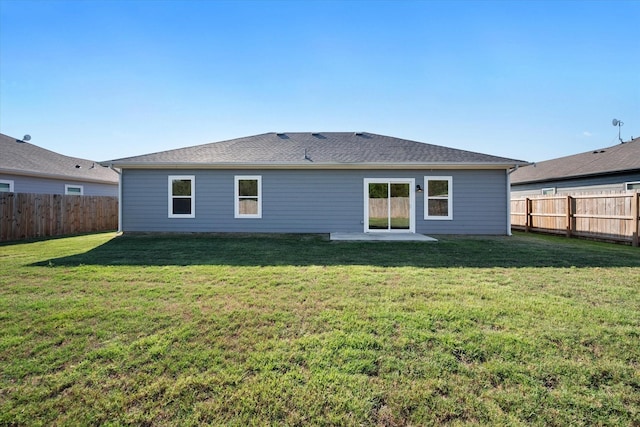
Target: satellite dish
618, 123
27, 138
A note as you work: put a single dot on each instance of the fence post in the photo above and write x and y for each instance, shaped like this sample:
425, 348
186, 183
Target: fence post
569, 216
635, 212
527, 211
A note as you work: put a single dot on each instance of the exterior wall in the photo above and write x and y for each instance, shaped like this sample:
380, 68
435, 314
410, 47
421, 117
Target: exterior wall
28, 184
592, 185
307, 201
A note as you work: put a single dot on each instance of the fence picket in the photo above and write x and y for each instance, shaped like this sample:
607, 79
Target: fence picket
610, 217
29, 215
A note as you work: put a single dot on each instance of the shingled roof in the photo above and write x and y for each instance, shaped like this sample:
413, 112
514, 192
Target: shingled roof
603, 161
22, 158
316, 150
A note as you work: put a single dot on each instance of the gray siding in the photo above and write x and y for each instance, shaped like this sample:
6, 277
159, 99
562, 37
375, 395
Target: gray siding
598, 184
28, 184
313, 201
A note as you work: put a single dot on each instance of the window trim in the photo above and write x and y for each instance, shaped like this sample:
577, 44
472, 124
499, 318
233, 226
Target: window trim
552, 189
626, 186
67, 186
236, 196
170, 195
7, 181
449, 198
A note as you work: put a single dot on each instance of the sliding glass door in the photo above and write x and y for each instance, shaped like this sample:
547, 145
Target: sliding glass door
389, 205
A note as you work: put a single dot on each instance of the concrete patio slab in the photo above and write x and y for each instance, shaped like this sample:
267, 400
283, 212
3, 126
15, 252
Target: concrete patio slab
384, 237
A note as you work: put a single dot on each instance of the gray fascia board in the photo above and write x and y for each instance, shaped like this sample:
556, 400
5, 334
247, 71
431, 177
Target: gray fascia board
310, 165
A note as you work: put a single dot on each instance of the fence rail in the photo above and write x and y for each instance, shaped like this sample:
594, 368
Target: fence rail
28, 215
611, 217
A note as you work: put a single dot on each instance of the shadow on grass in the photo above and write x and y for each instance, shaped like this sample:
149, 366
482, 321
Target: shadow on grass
519, 250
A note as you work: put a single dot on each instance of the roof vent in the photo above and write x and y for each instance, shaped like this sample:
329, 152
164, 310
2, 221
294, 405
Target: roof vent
315, 133
598, 151
358, 133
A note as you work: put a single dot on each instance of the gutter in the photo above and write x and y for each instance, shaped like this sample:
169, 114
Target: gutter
119, 196
508, 180
319, 166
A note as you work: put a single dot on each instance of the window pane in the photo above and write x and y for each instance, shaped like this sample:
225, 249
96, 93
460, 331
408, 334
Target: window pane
633, 186
182, 206
248, 187
248, 206
438, 188
74, 190
399, 190
378, 206
438, 207
4, 187
181, 187
400, 206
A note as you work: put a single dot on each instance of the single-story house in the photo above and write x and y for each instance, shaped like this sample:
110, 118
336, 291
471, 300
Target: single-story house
613, 169
27, 168
324, 182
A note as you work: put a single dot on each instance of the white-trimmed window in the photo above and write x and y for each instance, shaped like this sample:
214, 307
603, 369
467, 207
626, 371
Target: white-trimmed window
438, 197
73, 190
632, 186
6, 186
248, 196
182, 196
551, 191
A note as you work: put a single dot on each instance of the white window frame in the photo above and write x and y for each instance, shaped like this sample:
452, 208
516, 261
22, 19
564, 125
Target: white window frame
68, 186
236, 196
7, 181
552, 189
626, 186
170, 198
449, 198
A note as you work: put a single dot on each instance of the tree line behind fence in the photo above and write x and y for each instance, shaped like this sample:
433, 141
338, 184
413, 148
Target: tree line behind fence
28, 215
610, 217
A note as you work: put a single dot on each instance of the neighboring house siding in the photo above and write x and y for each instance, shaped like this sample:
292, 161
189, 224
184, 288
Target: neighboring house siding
307, 201
598, 184
28, 184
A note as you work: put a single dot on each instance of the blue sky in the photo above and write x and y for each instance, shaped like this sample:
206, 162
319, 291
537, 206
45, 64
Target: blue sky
530, 80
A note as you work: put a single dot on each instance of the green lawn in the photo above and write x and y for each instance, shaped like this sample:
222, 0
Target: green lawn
297, 330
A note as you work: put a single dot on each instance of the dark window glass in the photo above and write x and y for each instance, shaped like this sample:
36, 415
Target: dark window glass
182, 206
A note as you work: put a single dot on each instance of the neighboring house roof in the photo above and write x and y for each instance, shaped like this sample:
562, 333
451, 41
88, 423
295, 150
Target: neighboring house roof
22, 158
322, 150
603, 161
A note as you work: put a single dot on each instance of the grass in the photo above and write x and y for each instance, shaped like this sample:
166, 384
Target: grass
296, 330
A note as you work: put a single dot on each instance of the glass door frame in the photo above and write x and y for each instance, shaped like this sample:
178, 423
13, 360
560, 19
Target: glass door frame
412, 204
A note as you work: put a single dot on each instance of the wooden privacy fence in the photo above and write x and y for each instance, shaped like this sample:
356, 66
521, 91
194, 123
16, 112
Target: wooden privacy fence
611, 217
27, 215
379, 208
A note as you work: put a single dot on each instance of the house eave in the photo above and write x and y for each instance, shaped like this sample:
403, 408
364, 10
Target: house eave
312, 165
55, 176
572, 177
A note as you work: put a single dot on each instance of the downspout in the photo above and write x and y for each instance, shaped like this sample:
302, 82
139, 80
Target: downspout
509, 172
119, 196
